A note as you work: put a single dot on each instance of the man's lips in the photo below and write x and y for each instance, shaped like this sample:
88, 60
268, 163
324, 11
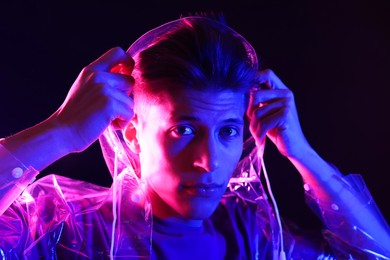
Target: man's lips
203, 189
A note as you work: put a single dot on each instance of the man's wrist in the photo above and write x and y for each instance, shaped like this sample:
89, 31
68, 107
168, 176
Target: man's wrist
38, 146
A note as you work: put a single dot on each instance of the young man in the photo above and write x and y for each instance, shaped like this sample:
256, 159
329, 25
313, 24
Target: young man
172, 135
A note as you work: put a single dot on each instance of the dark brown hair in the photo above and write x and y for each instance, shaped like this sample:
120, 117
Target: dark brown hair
198, 53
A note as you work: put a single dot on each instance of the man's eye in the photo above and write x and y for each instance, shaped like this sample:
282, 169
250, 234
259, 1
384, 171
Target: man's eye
229, 132
183, 130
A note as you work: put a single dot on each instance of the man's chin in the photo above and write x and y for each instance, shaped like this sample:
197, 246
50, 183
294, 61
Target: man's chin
200, 210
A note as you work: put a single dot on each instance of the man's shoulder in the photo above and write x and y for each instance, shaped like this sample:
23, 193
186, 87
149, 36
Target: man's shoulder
56, 190
66, 184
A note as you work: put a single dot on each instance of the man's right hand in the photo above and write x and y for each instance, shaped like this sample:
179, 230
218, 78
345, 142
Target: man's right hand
98, 97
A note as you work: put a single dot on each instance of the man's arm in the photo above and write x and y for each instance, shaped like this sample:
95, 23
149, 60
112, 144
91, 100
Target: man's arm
97, 98
272, 113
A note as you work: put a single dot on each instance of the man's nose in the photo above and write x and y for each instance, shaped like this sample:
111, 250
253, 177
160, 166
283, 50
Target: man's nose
207, 155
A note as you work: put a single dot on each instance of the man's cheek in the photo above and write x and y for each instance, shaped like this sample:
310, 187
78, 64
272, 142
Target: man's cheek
165, 185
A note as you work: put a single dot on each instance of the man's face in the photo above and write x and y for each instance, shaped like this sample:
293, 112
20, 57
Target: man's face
190, 143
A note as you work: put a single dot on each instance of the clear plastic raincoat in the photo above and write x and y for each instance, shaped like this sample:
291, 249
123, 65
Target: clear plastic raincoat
60, 218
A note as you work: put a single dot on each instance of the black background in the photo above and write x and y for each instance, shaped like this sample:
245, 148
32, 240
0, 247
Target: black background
334, 55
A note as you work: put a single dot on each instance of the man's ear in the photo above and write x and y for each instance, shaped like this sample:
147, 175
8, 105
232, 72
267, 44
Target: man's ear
130, 133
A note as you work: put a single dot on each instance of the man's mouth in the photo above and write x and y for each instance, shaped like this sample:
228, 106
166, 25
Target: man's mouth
203, 189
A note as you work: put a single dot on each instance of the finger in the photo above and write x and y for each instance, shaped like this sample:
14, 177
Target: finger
268, 109
123, 101
262, 98
118, 81
266, 95
267, 122
124, 114
110, 59
269, 78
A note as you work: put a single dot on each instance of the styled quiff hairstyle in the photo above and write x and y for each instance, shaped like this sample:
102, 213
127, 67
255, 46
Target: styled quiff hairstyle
198, 53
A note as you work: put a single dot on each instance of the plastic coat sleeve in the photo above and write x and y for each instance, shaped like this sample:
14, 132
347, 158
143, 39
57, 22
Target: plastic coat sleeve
355, 226
14, 178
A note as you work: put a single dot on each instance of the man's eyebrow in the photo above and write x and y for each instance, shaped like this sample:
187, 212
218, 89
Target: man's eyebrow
238, 121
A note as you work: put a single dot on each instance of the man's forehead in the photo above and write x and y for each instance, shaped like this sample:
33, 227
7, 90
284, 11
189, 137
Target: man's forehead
234, 118
213, 100
182, 102
193, 105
